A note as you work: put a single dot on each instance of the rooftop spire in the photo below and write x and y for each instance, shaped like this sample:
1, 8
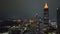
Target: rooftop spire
46, 6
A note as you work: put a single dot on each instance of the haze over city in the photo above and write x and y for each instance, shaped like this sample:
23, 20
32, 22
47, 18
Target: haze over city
27, 8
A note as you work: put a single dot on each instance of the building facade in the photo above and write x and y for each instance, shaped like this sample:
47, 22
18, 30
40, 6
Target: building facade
58, 18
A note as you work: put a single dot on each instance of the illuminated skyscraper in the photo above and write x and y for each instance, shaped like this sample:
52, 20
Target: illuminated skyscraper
46, 17
46, 14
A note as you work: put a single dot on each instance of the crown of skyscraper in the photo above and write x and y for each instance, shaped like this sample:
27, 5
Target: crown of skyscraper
46, 6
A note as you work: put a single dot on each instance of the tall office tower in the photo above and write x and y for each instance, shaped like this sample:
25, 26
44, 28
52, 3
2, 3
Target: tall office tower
46, 14
58, 18
46, 17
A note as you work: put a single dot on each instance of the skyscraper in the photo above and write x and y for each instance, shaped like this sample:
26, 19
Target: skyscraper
58, 18
46, 14
46, 17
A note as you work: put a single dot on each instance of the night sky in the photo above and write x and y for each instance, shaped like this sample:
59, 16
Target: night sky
26, 8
